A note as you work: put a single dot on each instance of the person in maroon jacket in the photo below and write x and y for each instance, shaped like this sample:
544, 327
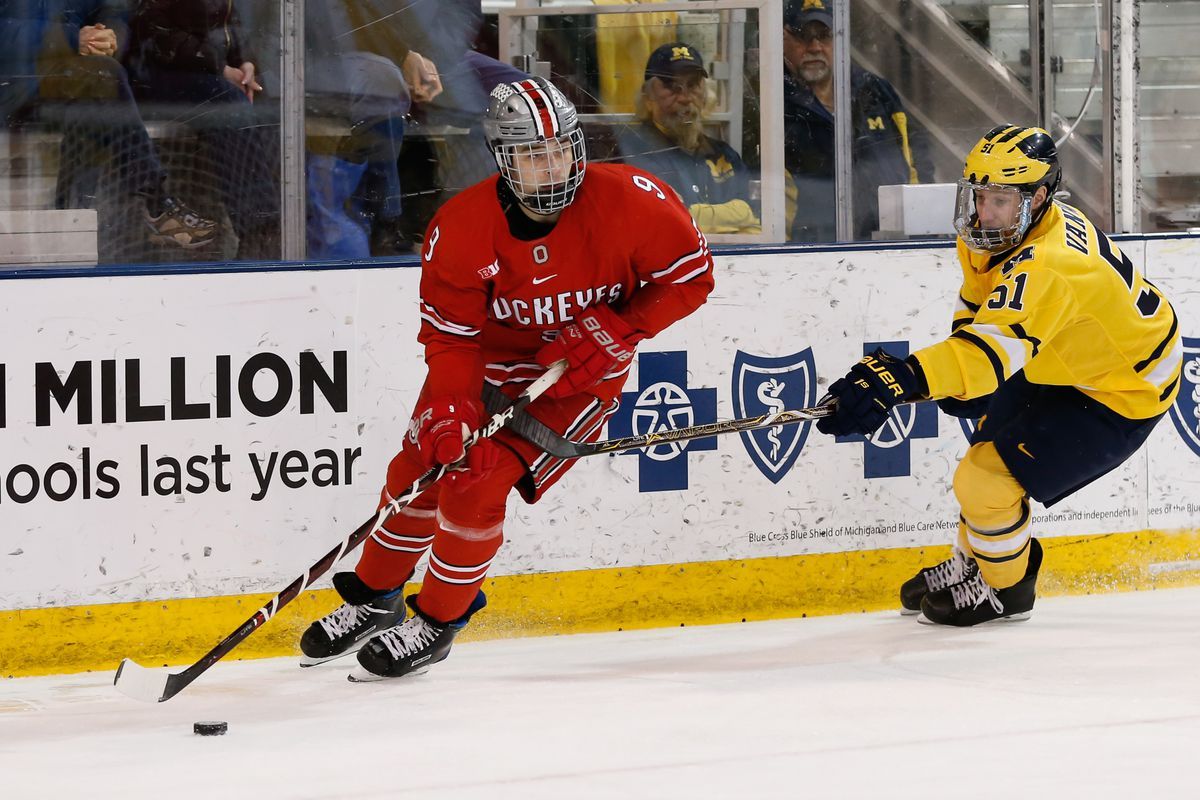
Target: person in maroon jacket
551, 259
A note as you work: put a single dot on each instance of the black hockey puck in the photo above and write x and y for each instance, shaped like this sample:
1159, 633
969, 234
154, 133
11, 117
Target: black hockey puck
210, 728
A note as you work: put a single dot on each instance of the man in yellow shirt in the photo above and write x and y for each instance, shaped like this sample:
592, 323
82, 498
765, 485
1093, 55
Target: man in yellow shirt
1071, 354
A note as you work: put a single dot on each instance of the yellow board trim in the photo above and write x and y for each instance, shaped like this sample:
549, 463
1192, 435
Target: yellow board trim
64, 640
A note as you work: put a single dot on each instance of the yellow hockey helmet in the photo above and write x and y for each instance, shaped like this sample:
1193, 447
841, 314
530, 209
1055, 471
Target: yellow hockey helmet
1008, 159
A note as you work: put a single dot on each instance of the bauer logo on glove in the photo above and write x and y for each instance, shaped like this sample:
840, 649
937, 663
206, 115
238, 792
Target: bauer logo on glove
592, 348
871, 389
889, 380
617, 349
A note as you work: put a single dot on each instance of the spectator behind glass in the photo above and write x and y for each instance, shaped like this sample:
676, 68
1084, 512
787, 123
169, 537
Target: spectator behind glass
443, 33
623, 43
59, 67
187, 53
669, 141
882, 146
352, 180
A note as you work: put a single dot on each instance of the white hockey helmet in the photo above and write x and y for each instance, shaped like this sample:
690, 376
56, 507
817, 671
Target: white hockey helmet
533, 131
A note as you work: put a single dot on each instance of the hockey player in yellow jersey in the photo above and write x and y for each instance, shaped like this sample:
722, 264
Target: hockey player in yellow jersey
1058, 342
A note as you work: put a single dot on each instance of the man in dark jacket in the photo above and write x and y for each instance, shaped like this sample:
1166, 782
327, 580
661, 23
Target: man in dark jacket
884, 150
669, 141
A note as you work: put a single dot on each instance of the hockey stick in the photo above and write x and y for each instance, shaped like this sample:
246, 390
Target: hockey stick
152, 685
560, 447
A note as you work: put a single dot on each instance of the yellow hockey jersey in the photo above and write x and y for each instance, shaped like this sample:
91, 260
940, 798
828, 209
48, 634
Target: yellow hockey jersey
1068, 307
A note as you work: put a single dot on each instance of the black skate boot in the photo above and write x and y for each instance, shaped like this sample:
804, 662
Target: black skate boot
344, 630
953, 570
973, 601
413, 646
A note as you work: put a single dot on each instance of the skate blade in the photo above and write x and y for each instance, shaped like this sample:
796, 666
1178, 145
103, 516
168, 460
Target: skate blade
306, 661
360, 675
924, 620
909, 612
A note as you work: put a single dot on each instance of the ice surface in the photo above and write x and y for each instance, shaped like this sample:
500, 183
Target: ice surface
1094, 697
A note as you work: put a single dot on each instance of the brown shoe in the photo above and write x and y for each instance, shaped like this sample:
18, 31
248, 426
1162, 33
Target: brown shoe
180, 226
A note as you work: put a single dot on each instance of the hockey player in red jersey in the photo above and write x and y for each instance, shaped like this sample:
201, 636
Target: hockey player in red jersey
553, 258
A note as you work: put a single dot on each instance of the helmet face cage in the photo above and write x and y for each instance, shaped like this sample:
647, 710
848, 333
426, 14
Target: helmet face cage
991, 240
544, 175
534, 134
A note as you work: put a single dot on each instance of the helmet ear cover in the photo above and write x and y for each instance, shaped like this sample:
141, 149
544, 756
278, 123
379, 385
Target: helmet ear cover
520, 116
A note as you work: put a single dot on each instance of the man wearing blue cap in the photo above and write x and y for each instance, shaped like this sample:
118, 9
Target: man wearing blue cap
669, 141
883, 149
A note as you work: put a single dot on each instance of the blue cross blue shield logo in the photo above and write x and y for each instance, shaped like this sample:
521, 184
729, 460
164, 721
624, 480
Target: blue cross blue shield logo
664, 401
1185, 411
766, 385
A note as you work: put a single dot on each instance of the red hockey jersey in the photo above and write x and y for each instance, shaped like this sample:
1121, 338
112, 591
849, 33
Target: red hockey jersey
490, 301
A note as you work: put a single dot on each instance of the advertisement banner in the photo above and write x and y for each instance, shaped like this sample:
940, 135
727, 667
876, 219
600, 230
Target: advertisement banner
198, 435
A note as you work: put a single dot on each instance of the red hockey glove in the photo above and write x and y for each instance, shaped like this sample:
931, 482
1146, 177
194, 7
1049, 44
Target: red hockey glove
593, 346
442, 425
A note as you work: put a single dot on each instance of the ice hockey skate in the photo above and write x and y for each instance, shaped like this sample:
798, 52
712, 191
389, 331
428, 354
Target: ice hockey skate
953, 570
973, 601
344, 630
411, 647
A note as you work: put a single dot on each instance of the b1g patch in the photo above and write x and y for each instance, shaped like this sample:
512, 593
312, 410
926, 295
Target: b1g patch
1185, 411
768, 385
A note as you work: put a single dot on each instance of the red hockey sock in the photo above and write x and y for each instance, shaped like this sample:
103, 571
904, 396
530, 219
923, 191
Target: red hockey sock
470, 531
390, 553
457, 566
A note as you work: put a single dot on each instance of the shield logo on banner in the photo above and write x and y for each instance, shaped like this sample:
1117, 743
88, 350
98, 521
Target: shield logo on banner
1186, 409
765, 385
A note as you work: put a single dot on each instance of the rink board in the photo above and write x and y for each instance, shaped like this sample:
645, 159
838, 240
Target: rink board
177, 445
